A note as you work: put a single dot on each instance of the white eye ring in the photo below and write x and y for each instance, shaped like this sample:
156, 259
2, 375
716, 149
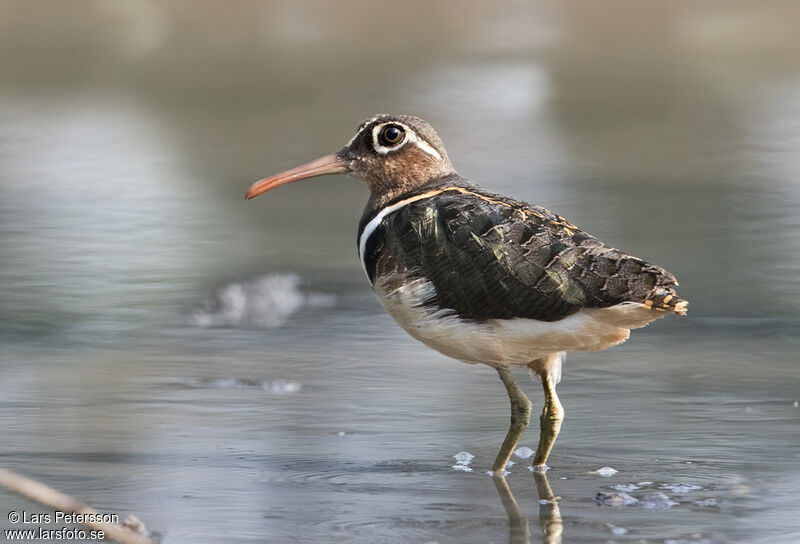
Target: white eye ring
410, 137
384, 149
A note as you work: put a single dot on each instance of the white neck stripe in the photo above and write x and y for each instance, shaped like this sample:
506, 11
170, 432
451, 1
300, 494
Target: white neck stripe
375, 221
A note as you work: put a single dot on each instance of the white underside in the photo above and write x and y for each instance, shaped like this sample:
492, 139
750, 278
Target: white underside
509, 342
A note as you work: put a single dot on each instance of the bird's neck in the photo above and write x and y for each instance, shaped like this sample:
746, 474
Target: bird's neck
380, 200
389, 193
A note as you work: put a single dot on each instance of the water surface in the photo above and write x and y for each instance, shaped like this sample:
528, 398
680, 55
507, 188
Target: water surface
140, 371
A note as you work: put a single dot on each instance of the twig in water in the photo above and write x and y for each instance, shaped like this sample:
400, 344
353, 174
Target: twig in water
57, 500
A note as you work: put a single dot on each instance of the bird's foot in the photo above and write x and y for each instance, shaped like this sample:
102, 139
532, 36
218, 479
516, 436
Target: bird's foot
499, 472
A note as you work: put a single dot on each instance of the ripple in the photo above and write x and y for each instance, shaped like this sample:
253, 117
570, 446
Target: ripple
350, 476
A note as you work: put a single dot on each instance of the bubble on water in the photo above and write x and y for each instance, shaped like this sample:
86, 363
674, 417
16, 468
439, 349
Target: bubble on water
615, 499
656, 502
524, 452
606, 471
463, 457
617, 531
681, 489
642, 484
625, 487
505, 473
538, 468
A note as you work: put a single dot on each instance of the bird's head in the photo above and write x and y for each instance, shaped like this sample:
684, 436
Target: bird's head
392, 154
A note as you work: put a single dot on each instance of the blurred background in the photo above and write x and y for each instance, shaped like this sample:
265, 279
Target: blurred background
162, 341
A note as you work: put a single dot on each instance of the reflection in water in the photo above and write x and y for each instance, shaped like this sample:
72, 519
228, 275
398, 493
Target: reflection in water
518, 530
550, 522
549, 513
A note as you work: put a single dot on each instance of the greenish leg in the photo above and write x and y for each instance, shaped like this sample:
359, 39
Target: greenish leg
552, 415
520, 418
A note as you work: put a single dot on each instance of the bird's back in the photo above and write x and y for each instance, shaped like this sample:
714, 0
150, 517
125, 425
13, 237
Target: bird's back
492, 257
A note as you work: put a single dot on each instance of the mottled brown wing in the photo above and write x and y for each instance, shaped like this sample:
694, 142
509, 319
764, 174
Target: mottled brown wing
490, 257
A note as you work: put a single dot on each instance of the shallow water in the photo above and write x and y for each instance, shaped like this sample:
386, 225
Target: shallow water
141, 371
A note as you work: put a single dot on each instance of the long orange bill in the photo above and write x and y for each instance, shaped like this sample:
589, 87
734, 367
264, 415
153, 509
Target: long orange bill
329, 164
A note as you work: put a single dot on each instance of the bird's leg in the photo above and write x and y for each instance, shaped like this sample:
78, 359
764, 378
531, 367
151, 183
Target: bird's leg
520, 418
552, 415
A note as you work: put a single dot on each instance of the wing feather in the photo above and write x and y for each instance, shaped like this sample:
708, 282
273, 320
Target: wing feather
494, 258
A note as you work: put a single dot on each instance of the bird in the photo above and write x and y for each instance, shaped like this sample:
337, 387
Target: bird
485, 278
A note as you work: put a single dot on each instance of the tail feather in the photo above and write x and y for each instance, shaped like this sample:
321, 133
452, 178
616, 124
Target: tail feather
667, 300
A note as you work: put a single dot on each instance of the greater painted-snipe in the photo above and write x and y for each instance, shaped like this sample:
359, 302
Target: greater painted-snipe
484, 278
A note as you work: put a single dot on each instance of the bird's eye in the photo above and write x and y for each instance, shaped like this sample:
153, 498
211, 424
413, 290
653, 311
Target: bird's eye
391, 135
